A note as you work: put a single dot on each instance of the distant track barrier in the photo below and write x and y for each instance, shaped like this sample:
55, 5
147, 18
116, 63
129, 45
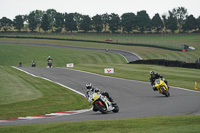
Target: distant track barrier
169, 63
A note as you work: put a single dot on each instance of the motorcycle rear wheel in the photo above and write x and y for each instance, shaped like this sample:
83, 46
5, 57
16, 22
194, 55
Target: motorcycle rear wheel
116, 108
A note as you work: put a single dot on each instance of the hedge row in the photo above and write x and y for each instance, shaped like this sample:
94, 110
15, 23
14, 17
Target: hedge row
169, 63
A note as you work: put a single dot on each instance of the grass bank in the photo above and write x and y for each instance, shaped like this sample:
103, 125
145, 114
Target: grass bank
173, 124
144, 52
24, 95
179, 77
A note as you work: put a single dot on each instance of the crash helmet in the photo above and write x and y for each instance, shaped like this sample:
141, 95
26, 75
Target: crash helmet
152, 72
89, 86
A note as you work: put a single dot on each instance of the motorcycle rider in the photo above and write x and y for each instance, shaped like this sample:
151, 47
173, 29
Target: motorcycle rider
20, 64
155, 76
33, 63
90, 87
49, 61
49, 58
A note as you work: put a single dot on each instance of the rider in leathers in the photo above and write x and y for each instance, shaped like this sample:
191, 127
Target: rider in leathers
90, 87
49, 58
155, 76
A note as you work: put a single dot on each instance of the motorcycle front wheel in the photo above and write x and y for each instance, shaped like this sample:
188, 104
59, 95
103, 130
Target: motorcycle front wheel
102, 109
166, 93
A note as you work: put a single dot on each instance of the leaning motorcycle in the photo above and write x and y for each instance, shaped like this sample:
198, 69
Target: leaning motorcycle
49, 63
101, 103
162, 87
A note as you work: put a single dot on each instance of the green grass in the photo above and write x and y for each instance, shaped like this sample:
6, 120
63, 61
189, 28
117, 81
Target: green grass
179, 77
144, 52
171, 40
24, 95
173, 124
12, 87
13, 53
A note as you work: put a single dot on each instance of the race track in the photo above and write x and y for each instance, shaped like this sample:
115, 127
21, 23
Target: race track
135, 98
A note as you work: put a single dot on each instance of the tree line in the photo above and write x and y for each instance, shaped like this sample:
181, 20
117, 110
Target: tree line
176, 20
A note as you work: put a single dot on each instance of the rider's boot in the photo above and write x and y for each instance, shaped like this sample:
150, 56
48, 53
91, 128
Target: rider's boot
111, 100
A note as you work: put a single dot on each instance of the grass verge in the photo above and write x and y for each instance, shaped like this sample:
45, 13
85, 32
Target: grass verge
145, 52
173, 124
179, 77
24, 95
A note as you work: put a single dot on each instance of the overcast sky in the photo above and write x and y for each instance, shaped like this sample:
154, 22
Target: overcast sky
12, 8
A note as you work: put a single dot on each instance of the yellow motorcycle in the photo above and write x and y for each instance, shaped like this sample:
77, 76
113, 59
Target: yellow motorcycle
101, 103
162, 87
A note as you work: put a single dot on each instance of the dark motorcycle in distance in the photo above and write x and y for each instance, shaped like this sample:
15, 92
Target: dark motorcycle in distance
49, 63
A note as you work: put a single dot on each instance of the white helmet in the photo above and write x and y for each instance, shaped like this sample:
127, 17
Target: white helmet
89, 85
152, 72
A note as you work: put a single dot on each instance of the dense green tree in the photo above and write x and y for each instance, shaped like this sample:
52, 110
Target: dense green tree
180, 14
38, 16
128, 22
198, 23
157, 23
45, 25
97, 23
6, 23
70, 23
18, 22
77, 19
32, 22
177, 18
114, 22
164, 17
51, 13
172, 22
143, 21
190, 23
105, 19
25, 19
59, 21
85, 23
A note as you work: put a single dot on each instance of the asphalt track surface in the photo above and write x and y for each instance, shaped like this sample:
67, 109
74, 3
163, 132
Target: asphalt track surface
135, 98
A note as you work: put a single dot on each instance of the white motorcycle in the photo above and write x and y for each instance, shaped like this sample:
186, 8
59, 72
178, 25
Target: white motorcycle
101, 103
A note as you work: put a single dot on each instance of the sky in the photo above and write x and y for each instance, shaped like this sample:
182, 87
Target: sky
12, 8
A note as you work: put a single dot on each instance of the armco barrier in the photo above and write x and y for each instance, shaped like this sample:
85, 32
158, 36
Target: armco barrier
169, 63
